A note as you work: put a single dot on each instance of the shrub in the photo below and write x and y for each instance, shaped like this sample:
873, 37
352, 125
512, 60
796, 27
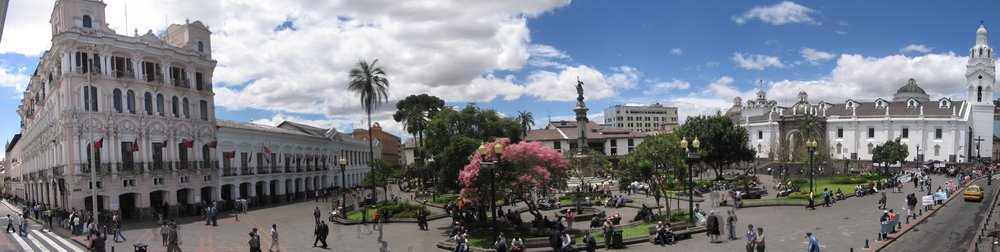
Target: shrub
399, 210
798, 181
799, 195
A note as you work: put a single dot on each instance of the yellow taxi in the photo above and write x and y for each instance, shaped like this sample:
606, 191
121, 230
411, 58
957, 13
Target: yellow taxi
973, 192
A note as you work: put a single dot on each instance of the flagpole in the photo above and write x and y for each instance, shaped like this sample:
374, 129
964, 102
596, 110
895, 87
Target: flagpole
93, 145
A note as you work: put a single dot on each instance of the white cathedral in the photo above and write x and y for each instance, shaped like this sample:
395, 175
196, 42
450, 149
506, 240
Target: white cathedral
942, 129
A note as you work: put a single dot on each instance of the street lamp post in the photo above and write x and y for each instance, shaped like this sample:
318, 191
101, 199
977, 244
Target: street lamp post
811, 146
493, 167
343, 180
692, 157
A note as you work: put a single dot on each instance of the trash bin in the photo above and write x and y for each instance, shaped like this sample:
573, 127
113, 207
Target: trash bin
616, 238
140, 247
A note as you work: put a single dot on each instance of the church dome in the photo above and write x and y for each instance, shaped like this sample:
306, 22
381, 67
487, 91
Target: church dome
910, 90
802, 107
911, 87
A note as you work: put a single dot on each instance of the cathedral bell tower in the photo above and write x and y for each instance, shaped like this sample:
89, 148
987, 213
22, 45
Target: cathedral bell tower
980, 75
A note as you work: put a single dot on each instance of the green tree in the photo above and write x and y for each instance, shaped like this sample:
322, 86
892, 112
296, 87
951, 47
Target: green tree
387, 170
527, 121
654, 162
452, 135
414, 112
371, 84
890, 152
722, 141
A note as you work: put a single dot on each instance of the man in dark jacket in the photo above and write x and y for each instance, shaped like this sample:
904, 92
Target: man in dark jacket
323, 232
590, 242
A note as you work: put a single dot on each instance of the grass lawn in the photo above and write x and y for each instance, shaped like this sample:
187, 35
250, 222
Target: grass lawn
356, 215
772, 200
409, 211
444, 198
827, 183
641, 230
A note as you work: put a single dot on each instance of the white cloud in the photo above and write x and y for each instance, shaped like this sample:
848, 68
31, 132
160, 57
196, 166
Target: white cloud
676, 51
16, 80
839, 32
451, 49
756, 61
916, 48
664, 87
624, 77
546, 51
561, 86
814, 56
855, 77
785, 12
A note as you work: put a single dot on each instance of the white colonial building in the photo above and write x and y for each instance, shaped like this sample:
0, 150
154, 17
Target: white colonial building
145, 102
938, 129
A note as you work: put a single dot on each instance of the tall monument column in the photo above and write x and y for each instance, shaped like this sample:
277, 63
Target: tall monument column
581, 118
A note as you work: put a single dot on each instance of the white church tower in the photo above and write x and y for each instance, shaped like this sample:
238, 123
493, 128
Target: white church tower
980, 74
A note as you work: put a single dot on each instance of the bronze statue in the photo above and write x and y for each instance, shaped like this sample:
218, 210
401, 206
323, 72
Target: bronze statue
579, 89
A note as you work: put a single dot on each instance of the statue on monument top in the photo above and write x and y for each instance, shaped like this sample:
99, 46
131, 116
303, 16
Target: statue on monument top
579, 89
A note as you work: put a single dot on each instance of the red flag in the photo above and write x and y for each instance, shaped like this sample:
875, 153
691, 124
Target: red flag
99, 143
135, 145
187, 143
213, 143
164, 143
229, 154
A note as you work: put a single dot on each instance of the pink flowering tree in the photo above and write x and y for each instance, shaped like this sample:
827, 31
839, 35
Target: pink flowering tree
525, 167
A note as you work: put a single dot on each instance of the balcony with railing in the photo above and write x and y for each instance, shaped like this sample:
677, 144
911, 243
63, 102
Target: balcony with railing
124, 74
226, 172
274, 168
180, 83
156, 166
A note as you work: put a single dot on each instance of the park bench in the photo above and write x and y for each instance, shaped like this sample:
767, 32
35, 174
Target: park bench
682, 232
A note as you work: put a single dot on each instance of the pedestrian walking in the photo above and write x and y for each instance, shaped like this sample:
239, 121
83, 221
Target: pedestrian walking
316, 214
97, 243
731, 222
254, 241
164, 233
751, 238
881, 201
760, 239
274, 238
590, 242
173, 243
118, 230
10, 225
813, 244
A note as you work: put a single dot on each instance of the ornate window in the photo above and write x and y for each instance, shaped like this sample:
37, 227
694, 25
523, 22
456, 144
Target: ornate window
159, 104
87, 22
147, 100
130, 101
116, 97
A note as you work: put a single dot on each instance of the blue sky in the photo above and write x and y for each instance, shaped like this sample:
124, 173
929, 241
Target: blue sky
290, 62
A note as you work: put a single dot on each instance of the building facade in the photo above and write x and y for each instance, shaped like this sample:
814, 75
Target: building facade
563, 136
649, 118
390, 143
941, 129
136, 113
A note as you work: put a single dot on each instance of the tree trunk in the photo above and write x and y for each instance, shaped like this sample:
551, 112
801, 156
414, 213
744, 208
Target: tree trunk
371, 157
532, 208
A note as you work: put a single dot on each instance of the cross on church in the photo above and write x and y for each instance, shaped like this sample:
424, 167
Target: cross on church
978, 139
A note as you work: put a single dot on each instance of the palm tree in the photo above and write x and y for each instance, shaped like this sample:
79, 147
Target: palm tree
371, 84
527, 121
